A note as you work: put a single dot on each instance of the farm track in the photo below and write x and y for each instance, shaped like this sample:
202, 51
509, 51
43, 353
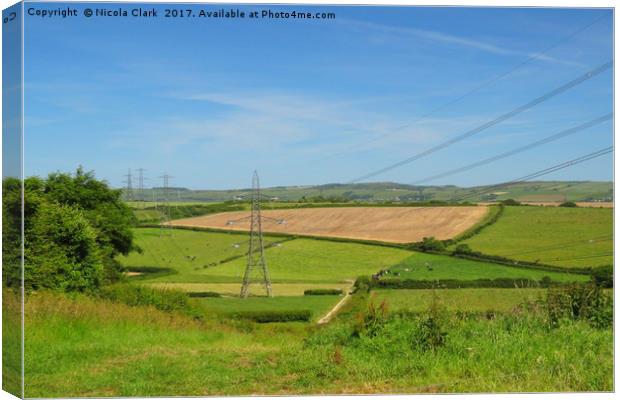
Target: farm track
328, 317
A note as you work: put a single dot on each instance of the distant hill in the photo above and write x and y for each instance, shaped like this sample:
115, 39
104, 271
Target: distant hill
541, 191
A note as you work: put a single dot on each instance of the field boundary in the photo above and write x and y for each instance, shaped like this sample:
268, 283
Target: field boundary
493, 215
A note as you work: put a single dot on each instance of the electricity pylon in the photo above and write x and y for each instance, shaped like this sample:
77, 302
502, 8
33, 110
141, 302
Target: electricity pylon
128, 187
256, 269
165, 224
141, 179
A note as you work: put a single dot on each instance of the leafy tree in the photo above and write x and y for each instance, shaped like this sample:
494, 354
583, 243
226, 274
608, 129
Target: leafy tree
111, 218
61, 250
568, 204
74, 227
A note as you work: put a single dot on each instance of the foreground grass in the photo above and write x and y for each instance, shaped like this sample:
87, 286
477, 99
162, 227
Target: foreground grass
422, 266
82, 347
567, 237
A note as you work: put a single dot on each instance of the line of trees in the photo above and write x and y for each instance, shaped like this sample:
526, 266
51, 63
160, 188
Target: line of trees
74, 227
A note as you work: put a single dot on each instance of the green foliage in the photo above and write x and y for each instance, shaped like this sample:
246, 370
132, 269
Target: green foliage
462, 248
322, 292
204, 294
603, 276
138, 295
431, 333
74, 226
370, 321
61, 251
363, 284
510, 202
568, 204
431, 244
274, 316
585, 302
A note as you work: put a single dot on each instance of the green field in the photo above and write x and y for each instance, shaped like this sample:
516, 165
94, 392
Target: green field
422, 266
476, 300
186, 252
567, 237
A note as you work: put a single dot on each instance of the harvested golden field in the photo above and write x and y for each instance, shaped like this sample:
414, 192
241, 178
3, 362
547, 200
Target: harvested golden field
386, 224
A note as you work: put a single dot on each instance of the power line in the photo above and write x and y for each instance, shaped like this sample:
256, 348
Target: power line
489, 82
531, 104
518, 150
540, 173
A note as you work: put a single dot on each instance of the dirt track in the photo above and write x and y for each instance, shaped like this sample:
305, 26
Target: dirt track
387, 224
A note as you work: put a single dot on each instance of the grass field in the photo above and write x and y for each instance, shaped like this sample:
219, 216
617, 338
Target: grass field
186, 252
80, 347
567, 237
477, 300
422, 266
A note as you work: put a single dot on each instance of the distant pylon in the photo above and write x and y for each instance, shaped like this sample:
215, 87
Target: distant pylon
141, 178
256, 269
165, 209
128, 186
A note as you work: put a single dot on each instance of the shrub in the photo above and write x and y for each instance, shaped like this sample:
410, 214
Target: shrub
431, 244
568, 204
204, 294
362, 283
603, 276
430, 333
462, 249
585, 302
511, 202
137, 295
322, 292
273, 316
370, 321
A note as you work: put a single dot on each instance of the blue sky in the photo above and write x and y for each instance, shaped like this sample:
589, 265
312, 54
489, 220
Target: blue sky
312, 102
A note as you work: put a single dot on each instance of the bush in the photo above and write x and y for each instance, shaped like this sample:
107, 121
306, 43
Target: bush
511, 202
362, 283
430, 333
431, 244
603, 276
322, 292
370, 321
585, 302
273, 316
568, 204
204, 294
137, 295
462, 249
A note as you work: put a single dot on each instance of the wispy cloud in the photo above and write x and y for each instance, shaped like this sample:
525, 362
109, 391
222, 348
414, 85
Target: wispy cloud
435, 37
